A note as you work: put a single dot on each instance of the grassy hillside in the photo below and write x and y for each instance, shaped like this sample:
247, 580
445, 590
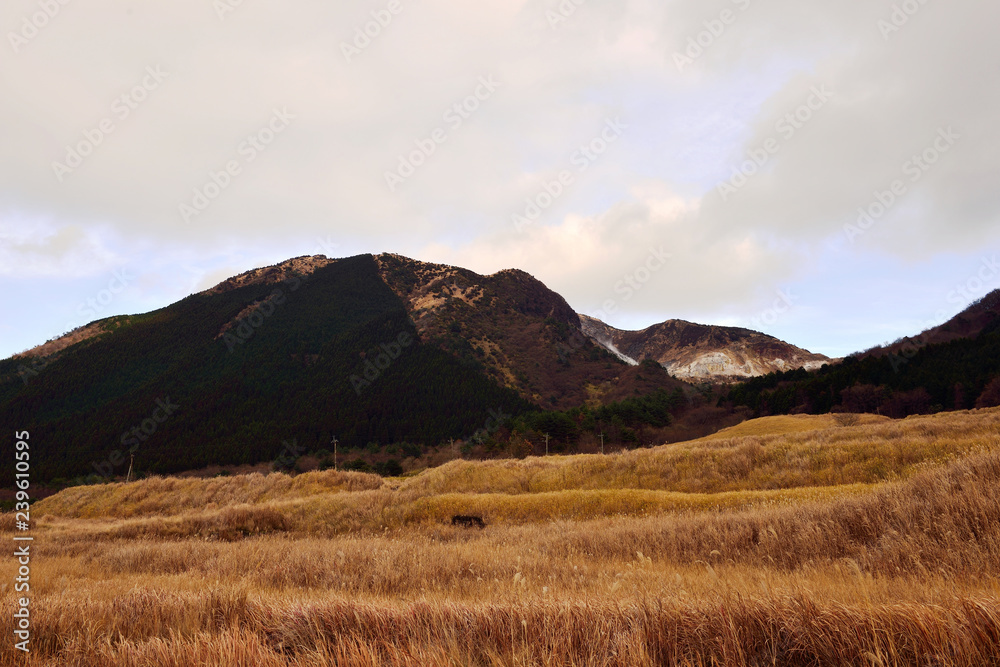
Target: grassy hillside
584, 561
784, 424
781, 455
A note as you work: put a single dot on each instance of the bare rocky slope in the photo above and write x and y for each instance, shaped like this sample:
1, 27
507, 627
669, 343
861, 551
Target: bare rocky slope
699, 352
519, 332
515, 323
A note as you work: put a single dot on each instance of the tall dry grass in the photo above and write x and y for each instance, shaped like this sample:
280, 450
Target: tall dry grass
875, 451
173, 495
379, 511
900, 573
828, 583
943, 522
237, 630
870, 453
785, 424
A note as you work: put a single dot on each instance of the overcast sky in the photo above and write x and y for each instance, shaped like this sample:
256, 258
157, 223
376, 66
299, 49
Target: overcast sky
646, 159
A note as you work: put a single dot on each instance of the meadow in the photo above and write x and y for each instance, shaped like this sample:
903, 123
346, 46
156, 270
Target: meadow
792, 540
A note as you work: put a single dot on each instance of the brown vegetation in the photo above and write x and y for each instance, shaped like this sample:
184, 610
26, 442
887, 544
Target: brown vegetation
901, 573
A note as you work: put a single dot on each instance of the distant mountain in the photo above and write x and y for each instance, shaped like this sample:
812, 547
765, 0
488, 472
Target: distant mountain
698, 352
954, 366
967, 324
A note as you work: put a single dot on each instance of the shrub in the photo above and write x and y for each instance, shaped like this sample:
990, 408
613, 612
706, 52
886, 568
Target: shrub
390, 468
359, 465
846, 419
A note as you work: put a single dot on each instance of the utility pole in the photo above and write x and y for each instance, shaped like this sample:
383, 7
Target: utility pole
128, 477
602, 442
334, 442
546, 444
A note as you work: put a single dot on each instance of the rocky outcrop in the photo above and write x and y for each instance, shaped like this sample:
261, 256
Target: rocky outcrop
699, 352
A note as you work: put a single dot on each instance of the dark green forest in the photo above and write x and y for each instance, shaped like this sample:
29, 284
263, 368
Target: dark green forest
618, 421
917, 380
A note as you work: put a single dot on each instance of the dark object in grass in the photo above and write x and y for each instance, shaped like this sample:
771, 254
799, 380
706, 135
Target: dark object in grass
467, 521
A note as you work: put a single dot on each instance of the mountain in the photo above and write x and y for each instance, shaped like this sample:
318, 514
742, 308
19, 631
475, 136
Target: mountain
954, 366
278, 358
277, 361
967, 324
698, 352
516, 330
375, 350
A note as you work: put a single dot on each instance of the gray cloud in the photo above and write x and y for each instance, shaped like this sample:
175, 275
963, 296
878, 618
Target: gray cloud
557, 87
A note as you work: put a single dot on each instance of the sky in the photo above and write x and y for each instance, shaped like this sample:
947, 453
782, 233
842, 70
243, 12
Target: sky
823, 172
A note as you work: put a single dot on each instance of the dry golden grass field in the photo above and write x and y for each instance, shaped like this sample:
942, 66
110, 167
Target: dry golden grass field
782, 541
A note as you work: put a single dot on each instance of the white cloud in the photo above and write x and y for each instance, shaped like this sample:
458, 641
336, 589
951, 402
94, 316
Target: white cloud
590, 260
39, 249
324, 174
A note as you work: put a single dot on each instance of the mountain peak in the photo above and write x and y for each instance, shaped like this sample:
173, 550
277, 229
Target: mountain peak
276, 273
700, 352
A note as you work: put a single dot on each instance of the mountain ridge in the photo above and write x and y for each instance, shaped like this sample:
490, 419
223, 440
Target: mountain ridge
386, 351
430, 290
953, 366
700, 352
968, 323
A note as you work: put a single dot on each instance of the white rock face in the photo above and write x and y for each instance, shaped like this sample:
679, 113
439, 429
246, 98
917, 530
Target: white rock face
610, 347
699, 352
816, 365
714, 364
